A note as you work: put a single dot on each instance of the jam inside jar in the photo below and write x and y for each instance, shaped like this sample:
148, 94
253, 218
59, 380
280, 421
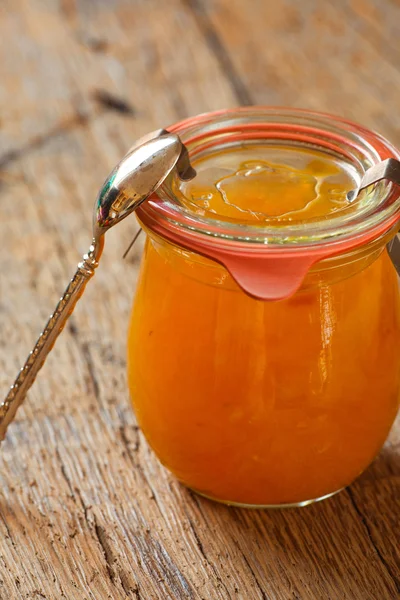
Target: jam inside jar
264, 343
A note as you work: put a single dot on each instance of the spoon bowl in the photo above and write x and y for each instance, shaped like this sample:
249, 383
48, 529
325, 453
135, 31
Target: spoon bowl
134, 179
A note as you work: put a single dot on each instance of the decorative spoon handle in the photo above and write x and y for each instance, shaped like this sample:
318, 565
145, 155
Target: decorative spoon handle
131, 182
47, 338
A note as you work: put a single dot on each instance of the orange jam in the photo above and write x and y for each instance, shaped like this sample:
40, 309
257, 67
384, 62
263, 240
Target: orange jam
279, 186
255, 402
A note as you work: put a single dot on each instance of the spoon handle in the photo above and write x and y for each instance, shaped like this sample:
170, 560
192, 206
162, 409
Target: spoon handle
47, 338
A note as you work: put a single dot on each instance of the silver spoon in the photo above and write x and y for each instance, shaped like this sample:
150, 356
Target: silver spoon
133, 180
386, 169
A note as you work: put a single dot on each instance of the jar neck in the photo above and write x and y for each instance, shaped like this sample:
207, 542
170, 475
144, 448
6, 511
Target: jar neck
326, 272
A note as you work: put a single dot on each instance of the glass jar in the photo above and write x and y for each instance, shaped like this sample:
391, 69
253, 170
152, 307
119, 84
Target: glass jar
264, 353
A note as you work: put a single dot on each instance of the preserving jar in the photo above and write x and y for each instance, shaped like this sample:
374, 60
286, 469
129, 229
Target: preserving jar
263, 349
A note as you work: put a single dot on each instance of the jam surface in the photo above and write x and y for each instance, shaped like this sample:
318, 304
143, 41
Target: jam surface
280, 186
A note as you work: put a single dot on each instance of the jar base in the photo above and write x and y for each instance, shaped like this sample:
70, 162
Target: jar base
266, 506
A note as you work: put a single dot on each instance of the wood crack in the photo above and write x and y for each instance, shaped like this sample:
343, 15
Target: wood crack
218, 50
196, 537
64, 473
260, 589
87, 358
108, 554
119, 578
10, 537
74, 491
127, 443
130, 452
112, 102
386, 565
203, 553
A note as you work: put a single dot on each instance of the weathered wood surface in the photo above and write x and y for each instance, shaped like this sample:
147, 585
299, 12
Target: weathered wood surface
86, 511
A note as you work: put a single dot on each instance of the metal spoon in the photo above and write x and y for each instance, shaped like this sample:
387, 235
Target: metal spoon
133, 180
386, 169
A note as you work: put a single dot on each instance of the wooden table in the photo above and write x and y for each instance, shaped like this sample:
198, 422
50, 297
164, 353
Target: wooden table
86, 510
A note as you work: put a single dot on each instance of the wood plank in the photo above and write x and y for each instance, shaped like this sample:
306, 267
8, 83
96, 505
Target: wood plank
86, 511
311, 55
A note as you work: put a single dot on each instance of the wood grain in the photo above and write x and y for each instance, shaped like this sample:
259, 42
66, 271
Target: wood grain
86, 511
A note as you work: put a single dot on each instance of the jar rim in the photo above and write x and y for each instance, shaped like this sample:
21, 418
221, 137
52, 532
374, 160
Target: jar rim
356, 143
305, 242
